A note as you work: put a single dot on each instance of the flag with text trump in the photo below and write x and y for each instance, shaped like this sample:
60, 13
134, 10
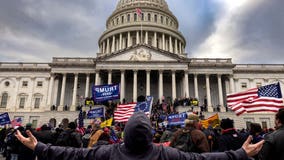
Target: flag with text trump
263, 99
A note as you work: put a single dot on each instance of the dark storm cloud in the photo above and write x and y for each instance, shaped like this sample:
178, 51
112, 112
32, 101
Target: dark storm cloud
261, 33
37, 30
196, 19
66, 24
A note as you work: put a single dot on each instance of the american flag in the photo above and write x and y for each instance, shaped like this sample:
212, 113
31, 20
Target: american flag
139, 11
124, 112
16, 122
263, 99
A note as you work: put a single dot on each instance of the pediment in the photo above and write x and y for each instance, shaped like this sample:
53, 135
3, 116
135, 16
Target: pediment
142, 53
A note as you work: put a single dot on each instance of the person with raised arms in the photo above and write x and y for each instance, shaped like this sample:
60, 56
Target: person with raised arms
137, 145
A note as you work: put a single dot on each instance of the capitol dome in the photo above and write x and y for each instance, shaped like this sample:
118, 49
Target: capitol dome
155, 26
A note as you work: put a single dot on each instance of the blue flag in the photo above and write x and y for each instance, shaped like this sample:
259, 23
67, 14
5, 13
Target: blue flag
96, 113
106, 92
177, 119
145, 106
4, 118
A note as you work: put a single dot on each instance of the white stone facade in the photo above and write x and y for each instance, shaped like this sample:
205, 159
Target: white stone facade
152, 63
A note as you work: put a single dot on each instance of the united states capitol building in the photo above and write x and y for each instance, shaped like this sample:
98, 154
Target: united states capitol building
148, 61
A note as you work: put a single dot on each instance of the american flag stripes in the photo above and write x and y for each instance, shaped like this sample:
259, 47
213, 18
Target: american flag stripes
139, 11
266, 98
124, 112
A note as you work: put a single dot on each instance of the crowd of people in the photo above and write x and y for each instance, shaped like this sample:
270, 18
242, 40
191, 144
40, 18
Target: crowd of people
139, 138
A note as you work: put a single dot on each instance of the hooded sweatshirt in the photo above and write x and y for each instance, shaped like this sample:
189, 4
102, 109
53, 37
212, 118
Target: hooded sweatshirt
137, 146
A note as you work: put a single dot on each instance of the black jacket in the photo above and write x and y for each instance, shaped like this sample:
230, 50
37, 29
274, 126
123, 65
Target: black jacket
137, 146
231, 140
273, 147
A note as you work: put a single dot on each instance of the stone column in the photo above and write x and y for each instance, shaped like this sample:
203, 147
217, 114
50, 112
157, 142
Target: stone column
155, 39
208, 95
135, 85
74, 97
196, 86
120, 41
128, 39
97, 80
146, 37
163, 42
180, 48
109, 77
137, 37
174, 90
87, 85
108, 46
171, 44
113, 44
30, 97
232, 88
176, 46
62, 96
104, 51
18, 81
50, 89
220, 90
122, 85
161, 85
186, 86
123, 42
148, 82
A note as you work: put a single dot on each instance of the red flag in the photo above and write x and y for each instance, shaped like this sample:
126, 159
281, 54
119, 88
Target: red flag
139, 11
266, 98
124, 112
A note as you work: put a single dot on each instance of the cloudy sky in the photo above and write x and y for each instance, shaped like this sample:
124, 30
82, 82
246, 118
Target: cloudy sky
248, 31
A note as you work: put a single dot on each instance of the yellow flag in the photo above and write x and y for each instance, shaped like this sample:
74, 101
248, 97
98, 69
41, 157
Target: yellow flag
106, 123
214, 121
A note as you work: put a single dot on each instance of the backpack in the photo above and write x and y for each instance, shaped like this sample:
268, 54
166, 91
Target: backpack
184, 142
67, 138
86, 139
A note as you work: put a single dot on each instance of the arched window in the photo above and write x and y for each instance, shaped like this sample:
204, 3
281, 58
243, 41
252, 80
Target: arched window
135, 17
155, 18
142, 16
37, 100
22, 100
128, 18
122, 19
149, 17
4, 100
162, 19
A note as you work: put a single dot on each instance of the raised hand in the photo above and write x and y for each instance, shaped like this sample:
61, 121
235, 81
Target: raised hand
30, 142
252, 149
